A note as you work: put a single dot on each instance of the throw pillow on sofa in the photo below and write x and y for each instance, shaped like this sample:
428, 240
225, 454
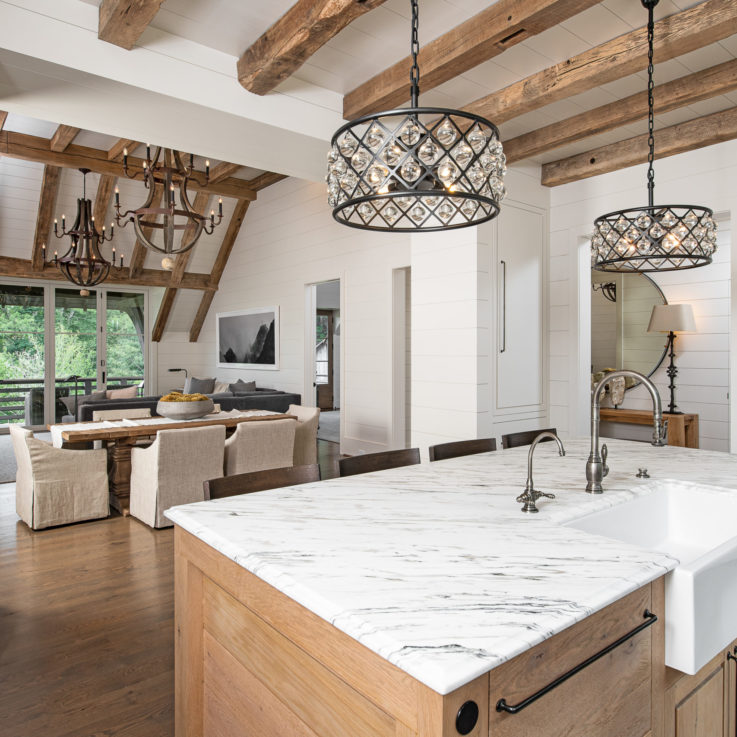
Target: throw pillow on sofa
81, 399
124, 392
243, 387
221, 387
193, 385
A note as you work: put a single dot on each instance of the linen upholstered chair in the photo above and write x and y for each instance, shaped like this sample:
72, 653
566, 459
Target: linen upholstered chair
54, 486
260, 446
172, 469
305, 441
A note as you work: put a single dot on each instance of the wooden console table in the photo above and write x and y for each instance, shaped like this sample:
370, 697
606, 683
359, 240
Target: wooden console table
683, 430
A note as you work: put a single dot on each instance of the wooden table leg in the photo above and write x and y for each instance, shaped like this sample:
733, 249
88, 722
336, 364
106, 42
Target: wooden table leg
119, 476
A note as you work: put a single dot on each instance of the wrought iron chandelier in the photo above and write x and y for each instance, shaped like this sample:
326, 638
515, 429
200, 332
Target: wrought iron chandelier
83, 263
656, 237
169, 174
416, 168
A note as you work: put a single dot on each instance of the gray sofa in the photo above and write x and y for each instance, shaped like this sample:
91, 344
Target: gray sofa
271, 399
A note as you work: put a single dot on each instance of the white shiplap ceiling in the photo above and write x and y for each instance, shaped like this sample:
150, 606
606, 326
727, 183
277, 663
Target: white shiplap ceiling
380, 38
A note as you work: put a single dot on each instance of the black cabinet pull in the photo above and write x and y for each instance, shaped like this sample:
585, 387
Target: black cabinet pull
502, 704
732, 657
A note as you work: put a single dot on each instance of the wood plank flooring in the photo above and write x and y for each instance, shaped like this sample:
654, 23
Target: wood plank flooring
86, 626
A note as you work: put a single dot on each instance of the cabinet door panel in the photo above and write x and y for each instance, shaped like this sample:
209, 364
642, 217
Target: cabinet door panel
520, 247
701, 714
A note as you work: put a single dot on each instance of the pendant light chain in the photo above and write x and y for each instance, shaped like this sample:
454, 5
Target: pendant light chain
650, 107
414, 72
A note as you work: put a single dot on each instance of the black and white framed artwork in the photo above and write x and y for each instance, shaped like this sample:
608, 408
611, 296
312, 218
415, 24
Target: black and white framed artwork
248, 338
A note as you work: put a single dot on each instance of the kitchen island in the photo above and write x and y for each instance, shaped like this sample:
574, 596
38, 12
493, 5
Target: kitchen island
389, 603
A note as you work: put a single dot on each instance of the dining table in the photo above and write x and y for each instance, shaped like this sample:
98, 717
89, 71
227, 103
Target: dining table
119, 437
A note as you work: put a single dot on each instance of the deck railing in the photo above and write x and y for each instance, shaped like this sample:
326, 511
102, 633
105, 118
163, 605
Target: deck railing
13, 394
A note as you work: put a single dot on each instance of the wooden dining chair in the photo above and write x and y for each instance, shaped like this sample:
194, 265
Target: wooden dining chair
378, 461
461, 448
515, 439
274, 478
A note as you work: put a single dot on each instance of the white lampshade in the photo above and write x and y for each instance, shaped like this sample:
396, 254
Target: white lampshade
675, 318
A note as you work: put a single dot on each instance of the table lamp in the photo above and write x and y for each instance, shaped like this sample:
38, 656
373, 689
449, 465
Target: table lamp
672, 319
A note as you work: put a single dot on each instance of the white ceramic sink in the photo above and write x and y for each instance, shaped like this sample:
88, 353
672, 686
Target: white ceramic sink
698, 526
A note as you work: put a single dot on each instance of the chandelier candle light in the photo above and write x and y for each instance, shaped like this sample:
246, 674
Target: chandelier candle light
83, 264
656, 237
417, 168
170, 174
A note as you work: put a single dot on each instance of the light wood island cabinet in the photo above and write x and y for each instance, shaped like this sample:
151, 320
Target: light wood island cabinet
251, 662
703, 705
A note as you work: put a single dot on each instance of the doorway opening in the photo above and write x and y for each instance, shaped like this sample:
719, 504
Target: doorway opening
326, 360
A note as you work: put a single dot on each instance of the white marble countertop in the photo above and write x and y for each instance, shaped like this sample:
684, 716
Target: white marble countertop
434, 567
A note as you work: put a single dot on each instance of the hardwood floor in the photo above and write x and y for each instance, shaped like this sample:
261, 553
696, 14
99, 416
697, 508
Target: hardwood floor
86, 626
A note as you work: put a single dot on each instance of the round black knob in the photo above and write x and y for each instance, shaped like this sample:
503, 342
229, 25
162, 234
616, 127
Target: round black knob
467, 717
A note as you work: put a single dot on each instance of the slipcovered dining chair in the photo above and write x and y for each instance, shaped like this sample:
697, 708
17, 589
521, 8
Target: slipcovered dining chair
305, 441
54, 486
259, 446
172, 469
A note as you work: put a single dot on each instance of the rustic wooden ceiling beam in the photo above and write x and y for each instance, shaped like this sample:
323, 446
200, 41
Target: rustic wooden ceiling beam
139, 250
121, 22
676, 139
669, 96
222, 171
162, 317
200, 204
104, 196
297, 35
45, 216
265, 180
62, 137
115, 153
486, 35
239, 213
23, 268
33, 148
703, 24
199, 318
3, 118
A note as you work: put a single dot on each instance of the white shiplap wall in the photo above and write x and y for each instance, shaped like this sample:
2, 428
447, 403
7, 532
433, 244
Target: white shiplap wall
707, 177
289, 240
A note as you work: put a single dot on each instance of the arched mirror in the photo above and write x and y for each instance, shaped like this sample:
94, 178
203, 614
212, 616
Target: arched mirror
620, 312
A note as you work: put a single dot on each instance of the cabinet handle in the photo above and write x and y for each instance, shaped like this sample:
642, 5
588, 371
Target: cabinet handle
502, 704
504, 306
732, 657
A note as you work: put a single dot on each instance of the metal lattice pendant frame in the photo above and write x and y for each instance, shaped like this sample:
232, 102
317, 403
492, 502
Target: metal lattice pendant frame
416, 169
657, 238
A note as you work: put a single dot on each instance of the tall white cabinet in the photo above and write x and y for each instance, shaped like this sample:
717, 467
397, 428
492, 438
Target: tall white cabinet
517, 248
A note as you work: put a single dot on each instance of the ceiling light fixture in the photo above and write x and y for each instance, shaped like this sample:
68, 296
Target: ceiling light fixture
83, 264
656, 237
169, 174
417, 168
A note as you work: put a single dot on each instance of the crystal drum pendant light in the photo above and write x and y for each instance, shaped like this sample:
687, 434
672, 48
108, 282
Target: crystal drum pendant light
416, 169
656, 237
169, 175
83, 264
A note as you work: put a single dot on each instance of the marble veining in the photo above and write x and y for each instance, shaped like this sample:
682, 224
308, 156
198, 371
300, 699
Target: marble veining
434, 567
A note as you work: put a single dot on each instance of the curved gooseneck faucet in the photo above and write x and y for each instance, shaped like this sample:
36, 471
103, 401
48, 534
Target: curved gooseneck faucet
596, 468
530, 495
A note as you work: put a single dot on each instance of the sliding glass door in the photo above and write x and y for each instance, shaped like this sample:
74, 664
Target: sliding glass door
56, 343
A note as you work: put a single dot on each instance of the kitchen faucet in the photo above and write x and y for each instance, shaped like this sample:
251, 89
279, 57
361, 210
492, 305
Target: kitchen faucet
596, 468
530, 495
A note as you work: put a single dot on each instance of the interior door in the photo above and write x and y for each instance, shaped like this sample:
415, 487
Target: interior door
324, 360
